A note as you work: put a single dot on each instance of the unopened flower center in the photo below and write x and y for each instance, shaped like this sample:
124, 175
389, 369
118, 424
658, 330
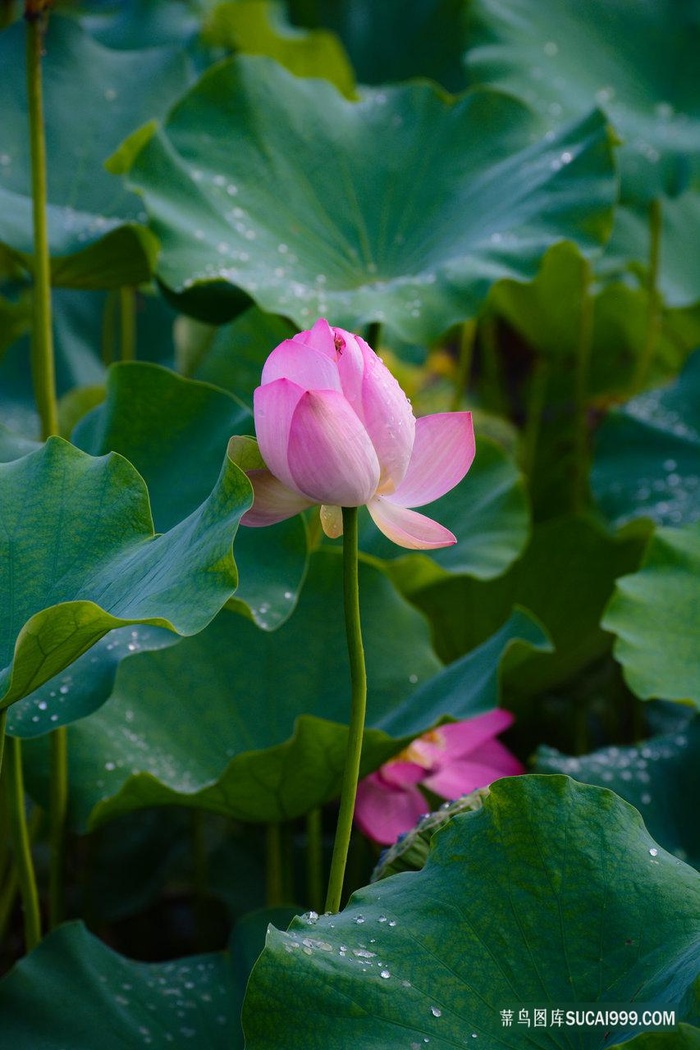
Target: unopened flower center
420, 750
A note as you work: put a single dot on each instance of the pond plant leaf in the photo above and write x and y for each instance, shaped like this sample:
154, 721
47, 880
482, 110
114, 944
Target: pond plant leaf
79, 558
49, 999
647, 458
655, 615
258, 186
551, 892
634, 61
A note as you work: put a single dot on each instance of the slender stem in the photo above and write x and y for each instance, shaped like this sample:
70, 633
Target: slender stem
58, 807
374, 331
200, 877
358, 703
44, 380
583, 364
314, 859
654, 301
14, 786
127, 323
492, 389
43, 373
464, 364
108, 326
537, 396
3, 723
275, 891
8, 889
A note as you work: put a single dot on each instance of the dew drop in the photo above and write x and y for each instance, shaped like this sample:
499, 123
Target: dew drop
385, 974
653, 852
436, 1011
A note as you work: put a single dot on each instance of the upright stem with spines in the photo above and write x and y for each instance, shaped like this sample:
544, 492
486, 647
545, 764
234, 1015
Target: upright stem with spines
358, 704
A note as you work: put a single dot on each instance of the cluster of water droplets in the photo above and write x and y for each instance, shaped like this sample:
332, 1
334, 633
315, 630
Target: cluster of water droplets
186, 1000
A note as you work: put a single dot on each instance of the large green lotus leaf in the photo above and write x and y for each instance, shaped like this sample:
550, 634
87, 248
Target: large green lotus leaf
655, 614
260, 746
259, 27
683, 1037
628, 251
564, 578
488, 512
93, 98
660, 777
75, 991
394, 41
552, 893
636, 61
175, 432
396, 208
79, 558
647, 459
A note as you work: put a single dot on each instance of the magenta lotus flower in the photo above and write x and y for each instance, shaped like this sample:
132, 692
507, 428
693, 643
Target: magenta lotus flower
334, 428
450, 761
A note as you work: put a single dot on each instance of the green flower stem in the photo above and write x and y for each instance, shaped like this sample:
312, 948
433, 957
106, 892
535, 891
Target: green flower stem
358, 704
43, 373
44, 380
127, 323
464, 364
374, 333
536, 400
314, 859
14, 786
58, 806
580, 495
275, 878
653, 327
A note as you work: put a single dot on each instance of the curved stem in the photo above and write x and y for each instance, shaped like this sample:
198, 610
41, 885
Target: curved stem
14, 786
58, 807
358, 704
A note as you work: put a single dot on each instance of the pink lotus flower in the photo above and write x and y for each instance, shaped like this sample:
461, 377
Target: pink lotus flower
450, 761
335, 428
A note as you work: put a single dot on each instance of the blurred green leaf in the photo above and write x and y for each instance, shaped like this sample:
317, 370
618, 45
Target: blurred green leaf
565, 577
552, 892
395, 208
655, 615
660, 777
94, 98
260, 27
647, 459
635, 61
80, 558
627, 253
267, 715
49, 1000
